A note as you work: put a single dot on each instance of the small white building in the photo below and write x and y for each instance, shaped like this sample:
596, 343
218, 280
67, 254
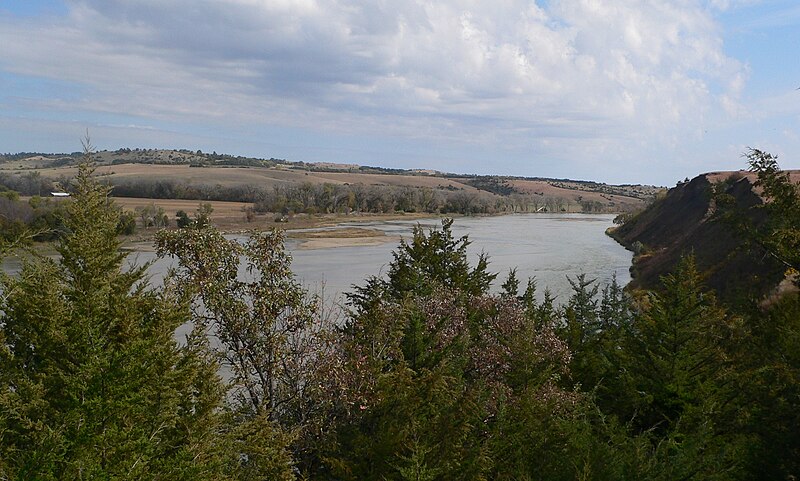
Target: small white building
59, 194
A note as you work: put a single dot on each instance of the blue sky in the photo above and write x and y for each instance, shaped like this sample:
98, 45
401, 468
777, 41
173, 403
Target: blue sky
619, 91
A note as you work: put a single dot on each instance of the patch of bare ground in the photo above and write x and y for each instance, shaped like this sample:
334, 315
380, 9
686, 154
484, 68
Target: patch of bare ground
787, 285
342, 237
712, 177
342, 233
328, 243
306, 221
222, 209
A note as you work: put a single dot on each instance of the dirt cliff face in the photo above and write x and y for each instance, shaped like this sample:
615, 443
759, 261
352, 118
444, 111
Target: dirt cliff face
684, 222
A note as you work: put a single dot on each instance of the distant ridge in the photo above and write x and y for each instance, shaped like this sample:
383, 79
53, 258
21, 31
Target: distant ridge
207, 171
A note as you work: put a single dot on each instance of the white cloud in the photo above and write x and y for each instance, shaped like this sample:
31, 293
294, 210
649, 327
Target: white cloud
595, 73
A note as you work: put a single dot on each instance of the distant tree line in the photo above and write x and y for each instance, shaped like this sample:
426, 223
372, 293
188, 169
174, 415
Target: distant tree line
495, 185
171, 189
41, 218
75, 156
31, 183
494, 196
344, 198
328, 198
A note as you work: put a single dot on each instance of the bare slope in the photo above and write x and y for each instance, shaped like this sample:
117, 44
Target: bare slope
683, 223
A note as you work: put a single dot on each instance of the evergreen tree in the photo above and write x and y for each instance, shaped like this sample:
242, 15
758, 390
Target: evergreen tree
780, 234
768, 381
439, 258
92, 383
442, 380
581, 330
675, 356
678, 365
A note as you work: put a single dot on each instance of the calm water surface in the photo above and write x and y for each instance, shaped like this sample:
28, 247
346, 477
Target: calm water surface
549, 247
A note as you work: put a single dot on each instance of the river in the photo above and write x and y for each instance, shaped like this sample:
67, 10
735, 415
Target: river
549, 247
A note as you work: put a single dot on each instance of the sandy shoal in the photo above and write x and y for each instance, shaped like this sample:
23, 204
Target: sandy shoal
332, 242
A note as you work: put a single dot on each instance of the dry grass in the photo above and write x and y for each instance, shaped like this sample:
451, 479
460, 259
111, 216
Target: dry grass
228, 216
221, 209
258, 176
545, 190
751, 176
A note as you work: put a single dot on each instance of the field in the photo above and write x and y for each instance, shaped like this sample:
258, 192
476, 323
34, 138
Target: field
257, 176
230, 217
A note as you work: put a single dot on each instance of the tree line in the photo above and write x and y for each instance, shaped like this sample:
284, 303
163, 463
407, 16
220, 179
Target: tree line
493, 196
428, 375
328, 198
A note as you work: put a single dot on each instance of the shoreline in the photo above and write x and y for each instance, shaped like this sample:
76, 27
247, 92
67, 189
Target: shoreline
303, 229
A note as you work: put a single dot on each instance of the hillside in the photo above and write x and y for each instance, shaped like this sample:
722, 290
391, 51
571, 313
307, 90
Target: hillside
203, 176
684, 222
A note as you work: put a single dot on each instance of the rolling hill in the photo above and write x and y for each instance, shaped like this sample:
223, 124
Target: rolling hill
204, 172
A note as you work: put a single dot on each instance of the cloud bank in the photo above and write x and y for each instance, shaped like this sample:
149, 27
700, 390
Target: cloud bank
582, 82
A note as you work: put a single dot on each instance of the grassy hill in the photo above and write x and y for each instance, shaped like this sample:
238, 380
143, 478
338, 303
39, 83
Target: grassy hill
237, 178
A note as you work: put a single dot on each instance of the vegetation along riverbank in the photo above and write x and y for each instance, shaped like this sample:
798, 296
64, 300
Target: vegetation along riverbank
164, 188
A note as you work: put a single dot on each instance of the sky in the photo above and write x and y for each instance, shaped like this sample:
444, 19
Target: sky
617, 91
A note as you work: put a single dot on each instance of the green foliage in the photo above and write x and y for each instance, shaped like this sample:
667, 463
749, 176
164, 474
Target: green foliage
127, 223
769, 383
594, 328
678, 357
510, 287
436, 258
203, 216
182, 219
419, 423
675, 357
449, 382
581, 321
780, 235
10, 195
270, 341
260, 449
93, 385
38, 219
257, 320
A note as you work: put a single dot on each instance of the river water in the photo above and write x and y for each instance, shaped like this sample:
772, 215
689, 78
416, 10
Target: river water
548, 247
